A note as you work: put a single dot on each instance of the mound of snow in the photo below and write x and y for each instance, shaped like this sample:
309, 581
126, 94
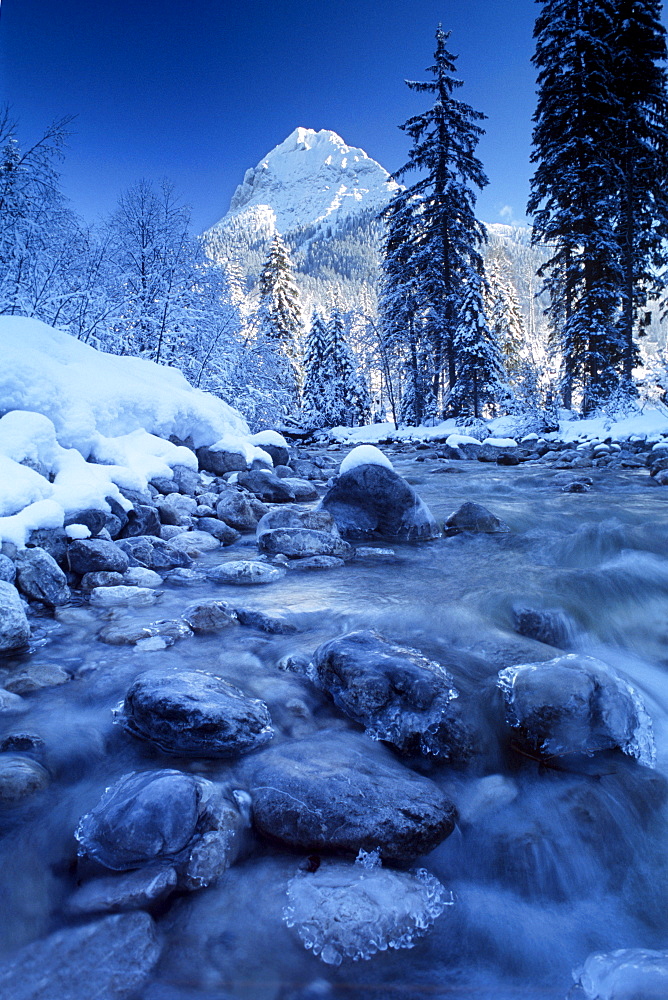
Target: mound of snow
86, 393
79, 425
364, 454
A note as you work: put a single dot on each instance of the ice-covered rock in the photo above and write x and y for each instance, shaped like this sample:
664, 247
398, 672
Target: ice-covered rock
340, 793
300, 534
165, 819
352, 911
372, 501
245, 572
109, 959
14, 626
576, 704
627, 974
550, 626
396, 693
189, 713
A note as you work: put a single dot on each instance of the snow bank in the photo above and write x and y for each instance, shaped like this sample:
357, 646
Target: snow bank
86, 393
79, 425
365, 454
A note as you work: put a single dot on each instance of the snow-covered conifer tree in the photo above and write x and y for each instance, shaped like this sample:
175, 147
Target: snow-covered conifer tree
315, 375
574, 190
480, 383
436, 214
279, 320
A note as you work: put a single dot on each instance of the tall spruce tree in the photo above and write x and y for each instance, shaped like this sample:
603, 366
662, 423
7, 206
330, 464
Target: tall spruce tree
573, 188
279, 319
345, 398
641, 153
481, 371
432, 229
315, 374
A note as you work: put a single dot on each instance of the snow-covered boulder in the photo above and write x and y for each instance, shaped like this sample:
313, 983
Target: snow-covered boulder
193, 714
79, 425
396, 693
370, 500
575, 704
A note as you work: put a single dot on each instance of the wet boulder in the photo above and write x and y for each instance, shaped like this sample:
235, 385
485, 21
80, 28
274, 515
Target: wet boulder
476, 518
40, 578
352, 911
20, 777
134, 597
299, 534
338, 792
54, 540
396, 693
373, 501
94, 520
176, 509
7, 569
575, 704
95, 555
110, 959
154, 553
549, 626
302, 489
195, 543
143, 519
14, 627
133, 890
219, 461
209, 616
245, 572
239, 510
266, 486
219, 529
193, 714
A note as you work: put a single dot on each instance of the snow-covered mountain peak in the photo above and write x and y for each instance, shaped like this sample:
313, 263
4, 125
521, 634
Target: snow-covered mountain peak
312, 177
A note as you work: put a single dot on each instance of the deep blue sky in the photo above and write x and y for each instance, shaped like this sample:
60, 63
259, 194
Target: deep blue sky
199, 90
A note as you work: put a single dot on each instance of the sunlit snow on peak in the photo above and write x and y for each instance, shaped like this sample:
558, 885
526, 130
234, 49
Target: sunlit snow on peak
309, 177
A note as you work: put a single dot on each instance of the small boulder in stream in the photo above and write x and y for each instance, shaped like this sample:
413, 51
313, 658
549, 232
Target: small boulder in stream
193, 714
40, 578
339, 792
370, 501
575, 704
474, 517
109, 959
396, 693
14, 626
301, 534
245, 572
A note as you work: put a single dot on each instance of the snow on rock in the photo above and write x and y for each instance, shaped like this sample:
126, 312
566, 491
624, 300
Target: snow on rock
495, 442
364, 454
79, 424
269, 437
627, 974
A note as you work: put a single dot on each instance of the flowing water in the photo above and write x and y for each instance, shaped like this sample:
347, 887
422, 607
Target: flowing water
547, 863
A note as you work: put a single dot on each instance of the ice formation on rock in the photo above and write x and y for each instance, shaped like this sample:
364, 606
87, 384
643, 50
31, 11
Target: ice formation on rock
354, 911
